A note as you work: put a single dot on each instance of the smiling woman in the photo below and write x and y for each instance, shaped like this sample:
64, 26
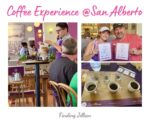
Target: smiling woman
39, 12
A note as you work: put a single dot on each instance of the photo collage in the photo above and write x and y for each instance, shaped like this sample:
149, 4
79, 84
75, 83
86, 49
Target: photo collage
43, 63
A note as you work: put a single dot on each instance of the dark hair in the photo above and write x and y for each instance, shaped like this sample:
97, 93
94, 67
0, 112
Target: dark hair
116, 25
24, 44
70, 45
62, 25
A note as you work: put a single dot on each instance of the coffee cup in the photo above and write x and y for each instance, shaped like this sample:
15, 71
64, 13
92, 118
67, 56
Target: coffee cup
133, 86
113, 87
91, 87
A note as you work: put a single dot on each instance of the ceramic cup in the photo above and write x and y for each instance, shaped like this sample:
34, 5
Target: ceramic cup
91, 87
133, 86
113, 87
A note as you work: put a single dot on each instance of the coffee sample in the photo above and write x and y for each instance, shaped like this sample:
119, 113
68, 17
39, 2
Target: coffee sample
134, 85
117, 77
113, 86
91, 87
96, 76
106, 77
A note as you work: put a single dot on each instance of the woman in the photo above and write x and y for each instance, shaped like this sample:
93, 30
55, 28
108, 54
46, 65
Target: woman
91, 51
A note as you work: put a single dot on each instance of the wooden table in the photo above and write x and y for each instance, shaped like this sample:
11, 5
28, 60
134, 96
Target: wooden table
104, 97
37, 77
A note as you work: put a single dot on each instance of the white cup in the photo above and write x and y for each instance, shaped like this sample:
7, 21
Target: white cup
113, 87
91, 87
133, 86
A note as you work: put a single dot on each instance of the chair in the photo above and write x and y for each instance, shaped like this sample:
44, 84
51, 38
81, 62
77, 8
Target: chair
55, 93
22, 91
65, 91
16, 91
29, 88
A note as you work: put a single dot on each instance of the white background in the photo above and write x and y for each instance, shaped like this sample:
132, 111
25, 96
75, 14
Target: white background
97, 113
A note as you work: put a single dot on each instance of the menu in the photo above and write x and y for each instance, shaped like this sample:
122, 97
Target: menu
105, 51
122, 51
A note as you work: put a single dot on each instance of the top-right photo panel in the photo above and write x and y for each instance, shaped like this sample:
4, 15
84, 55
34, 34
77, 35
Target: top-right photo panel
111, 42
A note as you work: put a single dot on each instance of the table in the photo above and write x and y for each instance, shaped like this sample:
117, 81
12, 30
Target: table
104, 97
114, 67
37, 77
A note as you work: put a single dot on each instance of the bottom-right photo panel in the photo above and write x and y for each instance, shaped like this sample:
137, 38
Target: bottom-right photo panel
111, 84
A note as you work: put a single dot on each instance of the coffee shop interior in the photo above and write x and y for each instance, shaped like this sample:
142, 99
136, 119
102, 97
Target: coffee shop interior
28, 80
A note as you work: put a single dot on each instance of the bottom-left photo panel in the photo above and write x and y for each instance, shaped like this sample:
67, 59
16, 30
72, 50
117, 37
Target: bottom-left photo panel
42, 64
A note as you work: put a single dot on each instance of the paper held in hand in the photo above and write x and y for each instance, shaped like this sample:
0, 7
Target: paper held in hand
105, 51
122, 51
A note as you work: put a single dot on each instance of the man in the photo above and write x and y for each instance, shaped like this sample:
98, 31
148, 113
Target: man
62, 70
23, 53
135, 42
63, 33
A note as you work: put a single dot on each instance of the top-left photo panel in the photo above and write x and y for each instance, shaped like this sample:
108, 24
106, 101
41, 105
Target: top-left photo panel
42, 64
